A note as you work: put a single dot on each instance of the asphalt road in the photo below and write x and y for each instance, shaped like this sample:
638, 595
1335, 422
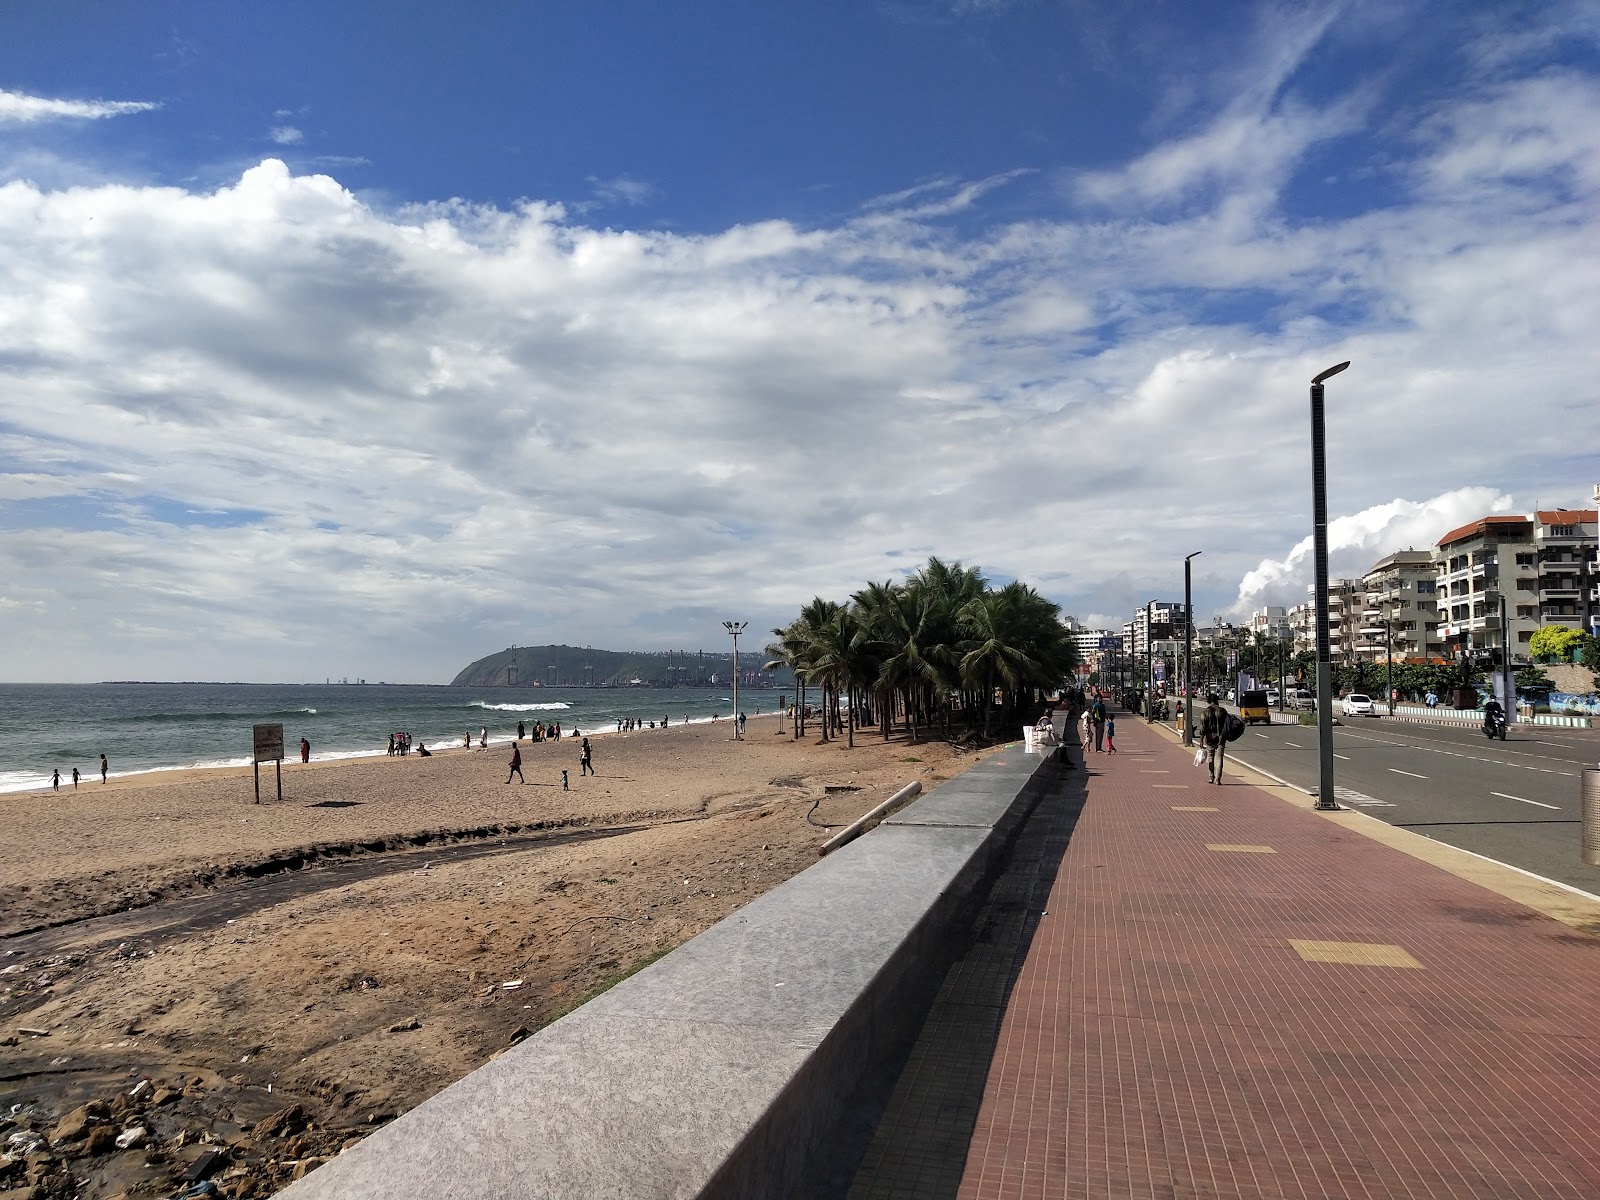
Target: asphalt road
1516, 801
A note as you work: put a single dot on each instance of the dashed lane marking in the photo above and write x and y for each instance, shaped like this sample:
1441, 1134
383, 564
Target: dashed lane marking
1413, 774
1524, 800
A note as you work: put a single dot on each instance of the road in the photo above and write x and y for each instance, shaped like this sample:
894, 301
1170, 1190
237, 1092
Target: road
1516, 801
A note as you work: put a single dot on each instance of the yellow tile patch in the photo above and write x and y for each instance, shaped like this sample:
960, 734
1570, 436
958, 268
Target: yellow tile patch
1223, 848
1355, 954
1193, 808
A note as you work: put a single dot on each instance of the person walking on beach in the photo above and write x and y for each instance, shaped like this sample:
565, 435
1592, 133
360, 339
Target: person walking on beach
483, 738
55, 780
74, 778
516, 764
585, 760
1213, 725
305, 751
104, 767
563, 781
1111, 734
521, 732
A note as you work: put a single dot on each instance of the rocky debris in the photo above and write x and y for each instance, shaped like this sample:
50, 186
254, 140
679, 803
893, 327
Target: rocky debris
75, 1126
283, 1123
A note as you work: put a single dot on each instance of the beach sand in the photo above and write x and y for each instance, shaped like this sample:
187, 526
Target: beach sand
341, 954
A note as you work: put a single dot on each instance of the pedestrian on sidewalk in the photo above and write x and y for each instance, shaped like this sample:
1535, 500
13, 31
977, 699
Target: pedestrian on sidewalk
1212, 728
1098, 713
1111, 734
1087, 722
516, 763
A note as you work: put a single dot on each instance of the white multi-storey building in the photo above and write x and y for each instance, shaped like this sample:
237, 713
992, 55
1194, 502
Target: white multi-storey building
1399, 608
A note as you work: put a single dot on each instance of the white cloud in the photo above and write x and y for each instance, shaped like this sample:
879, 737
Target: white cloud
1357, 541
286, 135
18, 108
270, 427
621, 190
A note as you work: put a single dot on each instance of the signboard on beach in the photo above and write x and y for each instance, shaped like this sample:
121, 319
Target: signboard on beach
269, 743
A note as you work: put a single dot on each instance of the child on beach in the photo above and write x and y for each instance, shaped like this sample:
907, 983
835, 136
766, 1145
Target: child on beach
1111, 734
563, 781
55, 781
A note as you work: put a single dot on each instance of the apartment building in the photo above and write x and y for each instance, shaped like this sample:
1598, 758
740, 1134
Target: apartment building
1564, 546
1399, 608
1475, 566
1159, 622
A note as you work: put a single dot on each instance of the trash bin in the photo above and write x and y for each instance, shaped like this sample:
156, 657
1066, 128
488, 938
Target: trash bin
1591, 816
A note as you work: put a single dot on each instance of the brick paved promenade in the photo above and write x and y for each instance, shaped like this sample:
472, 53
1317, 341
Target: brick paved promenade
1197, 991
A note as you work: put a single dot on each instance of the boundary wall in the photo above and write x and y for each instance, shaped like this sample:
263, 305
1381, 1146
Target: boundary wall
717, 1070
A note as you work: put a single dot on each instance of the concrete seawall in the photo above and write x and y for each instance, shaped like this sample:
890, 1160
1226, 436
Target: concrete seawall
717, 1070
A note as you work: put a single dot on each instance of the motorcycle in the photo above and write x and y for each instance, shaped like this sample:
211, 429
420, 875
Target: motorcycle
1494, 726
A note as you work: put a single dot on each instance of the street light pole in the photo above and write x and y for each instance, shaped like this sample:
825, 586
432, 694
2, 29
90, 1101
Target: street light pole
1388, 646
1505, 664
1149, 668
736, 628
1319, 530
1188, 651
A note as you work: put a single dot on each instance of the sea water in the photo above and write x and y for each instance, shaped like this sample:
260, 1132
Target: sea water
143, 727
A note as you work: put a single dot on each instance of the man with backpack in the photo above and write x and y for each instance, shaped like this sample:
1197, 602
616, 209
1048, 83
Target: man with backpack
1097, 714
1213, 731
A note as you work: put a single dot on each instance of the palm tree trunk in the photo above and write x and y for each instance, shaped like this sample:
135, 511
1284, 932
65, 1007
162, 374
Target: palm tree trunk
850, 736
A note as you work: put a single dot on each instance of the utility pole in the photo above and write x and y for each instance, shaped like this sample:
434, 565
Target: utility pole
736, 628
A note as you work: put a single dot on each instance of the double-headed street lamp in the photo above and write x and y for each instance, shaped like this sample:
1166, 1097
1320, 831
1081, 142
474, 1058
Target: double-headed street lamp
1188, 649
1319, 534
736, 628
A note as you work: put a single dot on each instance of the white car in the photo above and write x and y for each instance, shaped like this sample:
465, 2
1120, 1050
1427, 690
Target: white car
1357, 705
1272, 696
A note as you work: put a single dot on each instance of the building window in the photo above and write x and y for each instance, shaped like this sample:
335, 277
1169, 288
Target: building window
1563, 531
1524, 560
1526, 585
1525, 611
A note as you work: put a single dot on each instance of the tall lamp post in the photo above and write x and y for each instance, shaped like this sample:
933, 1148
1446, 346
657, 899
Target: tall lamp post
736, 628
1188, 651
1149, 667
1319, 531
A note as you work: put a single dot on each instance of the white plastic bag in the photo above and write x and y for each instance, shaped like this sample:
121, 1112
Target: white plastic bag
1199, 756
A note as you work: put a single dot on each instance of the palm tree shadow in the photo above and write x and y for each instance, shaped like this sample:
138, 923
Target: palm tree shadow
916, 1113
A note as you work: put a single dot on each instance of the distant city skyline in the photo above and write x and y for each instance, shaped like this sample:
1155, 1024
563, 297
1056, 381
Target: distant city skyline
370, 338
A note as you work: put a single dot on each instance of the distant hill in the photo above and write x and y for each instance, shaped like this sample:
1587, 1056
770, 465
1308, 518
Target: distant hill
575, 666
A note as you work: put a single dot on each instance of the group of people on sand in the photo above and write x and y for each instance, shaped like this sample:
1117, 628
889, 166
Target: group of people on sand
539, 733
400, 743
585, 762
55, 776
629, 724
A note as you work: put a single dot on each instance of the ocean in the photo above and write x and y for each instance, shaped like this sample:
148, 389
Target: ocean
143, 727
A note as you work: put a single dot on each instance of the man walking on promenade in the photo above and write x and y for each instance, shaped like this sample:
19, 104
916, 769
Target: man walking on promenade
516, 763
1098, 714
1212, 728
585, 763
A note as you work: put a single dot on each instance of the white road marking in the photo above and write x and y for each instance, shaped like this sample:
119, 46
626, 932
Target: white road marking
1519, 799
1413, 774
1296, 745
1346, 757
1268, 736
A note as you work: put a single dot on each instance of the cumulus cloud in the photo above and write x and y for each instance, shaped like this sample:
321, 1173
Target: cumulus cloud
1358, 540
274, 427
18, 108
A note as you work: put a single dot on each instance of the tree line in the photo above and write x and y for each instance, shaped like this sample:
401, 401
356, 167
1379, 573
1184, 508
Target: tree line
927, 652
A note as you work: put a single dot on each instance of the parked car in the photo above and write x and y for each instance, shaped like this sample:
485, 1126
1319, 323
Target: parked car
1358, 705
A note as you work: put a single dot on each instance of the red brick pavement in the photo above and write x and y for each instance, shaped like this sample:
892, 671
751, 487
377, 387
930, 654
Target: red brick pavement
1166, 1039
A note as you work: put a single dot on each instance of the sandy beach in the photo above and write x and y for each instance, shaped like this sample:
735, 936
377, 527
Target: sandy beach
291, 974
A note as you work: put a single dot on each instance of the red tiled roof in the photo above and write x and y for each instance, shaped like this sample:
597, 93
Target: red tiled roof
1480, 525
1567, 516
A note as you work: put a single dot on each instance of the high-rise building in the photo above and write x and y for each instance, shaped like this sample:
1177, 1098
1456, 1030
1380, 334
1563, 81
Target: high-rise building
1476, 565
1564, 545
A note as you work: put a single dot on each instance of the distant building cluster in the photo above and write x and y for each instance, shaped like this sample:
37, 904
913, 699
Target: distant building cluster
1414, 605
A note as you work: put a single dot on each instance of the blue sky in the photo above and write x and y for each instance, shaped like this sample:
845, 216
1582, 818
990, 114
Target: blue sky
364, 339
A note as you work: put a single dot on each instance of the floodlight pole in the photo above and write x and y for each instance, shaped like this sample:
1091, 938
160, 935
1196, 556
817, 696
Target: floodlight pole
1319, 518
736, 628
1188, 650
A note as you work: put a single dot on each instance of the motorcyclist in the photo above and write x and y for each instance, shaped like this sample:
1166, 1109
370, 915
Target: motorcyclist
1494, 717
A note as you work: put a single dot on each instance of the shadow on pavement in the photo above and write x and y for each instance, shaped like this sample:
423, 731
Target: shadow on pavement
907, 1129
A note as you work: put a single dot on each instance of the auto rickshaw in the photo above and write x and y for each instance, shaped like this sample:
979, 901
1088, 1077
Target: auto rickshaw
1253, 708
